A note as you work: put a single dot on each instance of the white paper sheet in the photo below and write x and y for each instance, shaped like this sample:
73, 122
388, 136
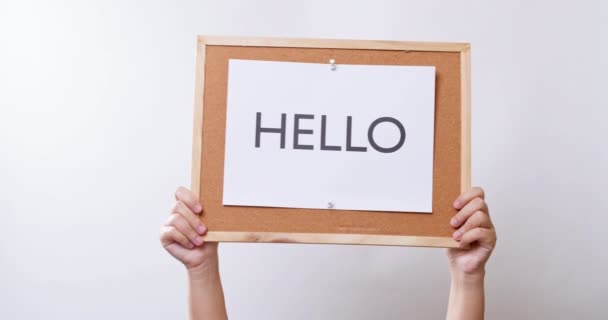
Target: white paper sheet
270, 176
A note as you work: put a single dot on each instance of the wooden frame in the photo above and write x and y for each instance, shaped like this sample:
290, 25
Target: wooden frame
330, 238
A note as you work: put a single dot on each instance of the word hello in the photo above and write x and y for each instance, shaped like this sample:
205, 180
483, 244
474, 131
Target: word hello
298, 131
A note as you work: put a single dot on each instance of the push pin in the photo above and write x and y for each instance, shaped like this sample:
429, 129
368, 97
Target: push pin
332, 62
330, 205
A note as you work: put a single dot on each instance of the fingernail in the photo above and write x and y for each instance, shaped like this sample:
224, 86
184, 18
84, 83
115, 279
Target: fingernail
456, 235
201, 229
198, 208
457, 204
198, 241
454, 222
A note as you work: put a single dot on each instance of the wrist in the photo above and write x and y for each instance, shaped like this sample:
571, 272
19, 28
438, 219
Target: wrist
468, 279
466, 295
208, 269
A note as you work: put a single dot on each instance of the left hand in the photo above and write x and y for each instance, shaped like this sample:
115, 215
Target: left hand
474, 229
182, 234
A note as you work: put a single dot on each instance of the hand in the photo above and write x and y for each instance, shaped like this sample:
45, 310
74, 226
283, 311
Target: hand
182, 234
474, 230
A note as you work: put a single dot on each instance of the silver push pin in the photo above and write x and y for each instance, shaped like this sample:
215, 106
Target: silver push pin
330, 205
332, 62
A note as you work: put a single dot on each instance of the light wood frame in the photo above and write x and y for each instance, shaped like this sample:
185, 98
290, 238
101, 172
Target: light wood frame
363, 239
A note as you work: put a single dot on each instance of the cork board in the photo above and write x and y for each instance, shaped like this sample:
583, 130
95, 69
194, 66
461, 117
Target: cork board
451, 171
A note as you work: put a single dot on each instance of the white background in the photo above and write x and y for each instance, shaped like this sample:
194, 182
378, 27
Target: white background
269, 176
95, 134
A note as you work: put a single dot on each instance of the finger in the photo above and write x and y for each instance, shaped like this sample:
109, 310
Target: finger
467, 196
478, 219
183, 210
170, 234
484, 236
477, 204
180, 223
185, 195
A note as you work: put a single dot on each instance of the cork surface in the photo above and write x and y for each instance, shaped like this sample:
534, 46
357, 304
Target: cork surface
447, 157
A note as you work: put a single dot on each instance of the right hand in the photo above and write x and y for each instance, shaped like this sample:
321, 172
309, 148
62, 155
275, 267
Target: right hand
181, 235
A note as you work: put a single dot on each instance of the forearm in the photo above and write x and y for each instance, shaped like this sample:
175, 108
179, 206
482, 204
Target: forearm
466, 296
206, 293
